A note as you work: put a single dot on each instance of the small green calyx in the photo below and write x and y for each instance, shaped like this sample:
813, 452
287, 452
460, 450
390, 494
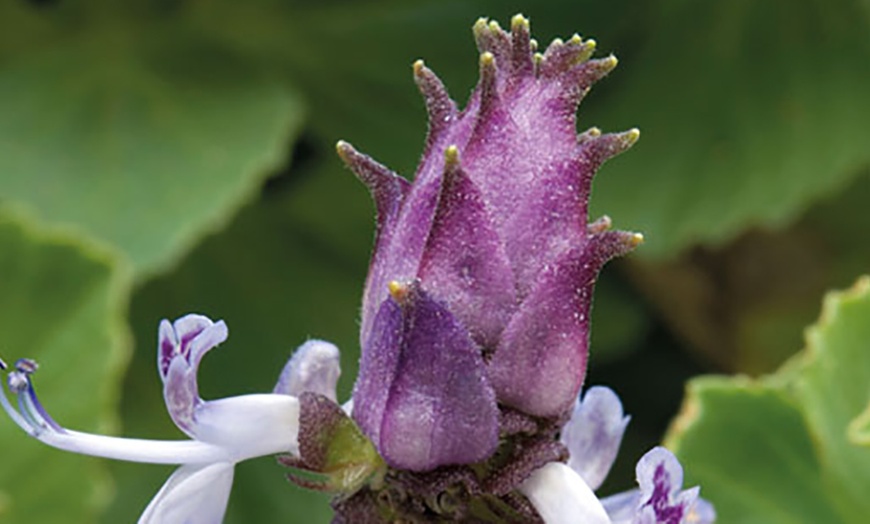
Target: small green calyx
333, 449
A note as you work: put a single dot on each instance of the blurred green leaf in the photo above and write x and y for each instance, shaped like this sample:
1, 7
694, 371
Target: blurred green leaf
620, 321
744, 305
777, 449
746, 445
749, 111
139, 130
63, 303
859, 428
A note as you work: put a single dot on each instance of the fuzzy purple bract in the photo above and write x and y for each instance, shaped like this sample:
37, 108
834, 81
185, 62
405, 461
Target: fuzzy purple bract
479, 290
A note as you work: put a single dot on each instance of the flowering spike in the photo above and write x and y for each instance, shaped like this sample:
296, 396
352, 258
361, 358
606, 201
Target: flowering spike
486, 279
439, 106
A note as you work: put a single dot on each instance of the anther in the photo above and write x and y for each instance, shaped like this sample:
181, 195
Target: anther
398, 290
27, 366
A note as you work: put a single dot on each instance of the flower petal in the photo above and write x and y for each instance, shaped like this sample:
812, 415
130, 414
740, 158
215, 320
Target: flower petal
180, 349
662, 499
193, 494
313, 367
560, 496
250, 426
593, 434
622, 507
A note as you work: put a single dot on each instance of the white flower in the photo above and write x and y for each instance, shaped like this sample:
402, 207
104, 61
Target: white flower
222, 432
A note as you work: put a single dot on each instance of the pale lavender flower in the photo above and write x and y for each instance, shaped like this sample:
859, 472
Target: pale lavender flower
592, 436
222, 432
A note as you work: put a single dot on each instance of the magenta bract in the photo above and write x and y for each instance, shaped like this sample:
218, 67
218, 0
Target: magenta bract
493, 239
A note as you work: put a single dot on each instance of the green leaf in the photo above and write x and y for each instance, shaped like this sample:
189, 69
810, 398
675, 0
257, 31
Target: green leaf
749, 111
63, 303
832, 385
747, 447
777, 449
141, 132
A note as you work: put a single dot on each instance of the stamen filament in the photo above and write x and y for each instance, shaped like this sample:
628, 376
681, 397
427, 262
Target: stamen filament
35, 420
39, 413
12, 412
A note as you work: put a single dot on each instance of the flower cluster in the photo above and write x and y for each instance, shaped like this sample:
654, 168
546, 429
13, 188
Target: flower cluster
474, 334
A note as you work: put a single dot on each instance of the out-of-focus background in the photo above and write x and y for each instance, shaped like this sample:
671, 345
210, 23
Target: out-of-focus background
160, 157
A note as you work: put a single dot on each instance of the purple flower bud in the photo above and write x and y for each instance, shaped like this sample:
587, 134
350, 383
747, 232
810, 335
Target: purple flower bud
422, 396
494, 234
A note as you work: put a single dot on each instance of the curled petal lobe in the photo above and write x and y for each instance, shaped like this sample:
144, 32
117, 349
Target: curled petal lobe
250, 425
194, 494
560, 496
181, 346
314, 367
594, 433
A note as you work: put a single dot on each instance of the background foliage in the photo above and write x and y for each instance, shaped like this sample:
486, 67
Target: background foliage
165, 156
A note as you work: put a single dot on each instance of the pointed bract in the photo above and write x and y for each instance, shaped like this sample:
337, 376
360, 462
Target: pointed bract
425, 400
465, 264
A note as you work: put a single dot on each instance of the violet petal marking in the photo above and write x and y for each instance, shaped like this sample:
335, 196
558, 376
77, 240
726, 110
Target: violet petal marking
594, 433
464, 263
662, 500
440, 409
